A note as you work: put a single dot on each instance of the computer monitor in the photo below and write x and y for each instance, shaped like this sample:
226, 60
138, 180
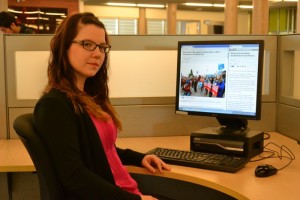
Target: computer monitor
222, 79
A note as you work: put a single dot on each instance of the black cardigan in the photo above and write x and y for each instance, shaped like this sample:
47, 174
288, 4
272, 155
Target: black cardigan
76, 150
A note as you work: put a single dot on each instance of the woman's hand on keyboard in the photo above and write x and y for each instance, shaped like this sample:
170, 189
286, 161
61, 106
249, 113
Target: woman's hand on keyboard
152, 162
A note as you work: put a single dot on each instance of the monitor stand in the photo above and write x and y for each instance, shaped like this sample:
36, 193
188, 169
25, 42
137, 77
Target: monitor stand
228, 140
233, 123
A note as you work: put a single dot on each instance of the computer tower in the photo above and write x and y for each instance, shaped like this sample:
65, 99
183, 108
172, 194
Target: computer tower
245, 142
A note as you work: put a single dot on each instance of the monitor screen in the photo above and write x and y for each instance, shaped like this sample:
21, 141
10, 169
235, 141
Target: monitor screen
221, 79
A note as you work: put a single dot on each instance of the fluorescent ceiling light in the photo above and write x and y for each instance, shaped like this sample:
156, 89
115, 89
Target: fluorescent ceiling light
137, 5
245, 6
219, 5
33, 26
284, 0
205, 4
150, 5
35, 18
34, 12
32, 18
14, 11
199, 4
50, 13
122, 4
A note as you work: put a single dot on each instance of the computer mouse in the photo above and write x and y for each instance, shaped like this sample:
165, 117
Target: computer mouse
265, 170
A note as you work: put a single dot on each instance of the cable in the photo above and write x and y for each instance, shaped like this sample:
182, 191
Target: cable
271, 153
266, 135
282, 149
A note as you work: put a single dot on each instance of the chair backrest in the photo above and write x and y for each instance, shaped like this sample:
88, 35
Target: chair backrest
50, 188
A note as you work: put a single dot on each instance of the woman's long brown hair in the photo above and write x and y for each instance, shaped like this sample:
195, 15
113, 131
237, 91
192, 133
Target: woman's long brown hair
95, 98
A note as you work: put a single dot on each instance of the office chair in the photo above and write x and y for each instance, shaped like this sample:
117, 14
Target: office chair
50, 188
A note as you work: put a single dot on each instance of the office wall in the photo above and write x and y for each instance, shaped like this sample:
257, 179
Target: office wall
288, 107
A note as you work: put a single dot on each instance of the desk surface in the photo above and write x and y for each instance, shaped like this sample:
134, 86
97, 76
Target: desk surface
283, 185
14, 157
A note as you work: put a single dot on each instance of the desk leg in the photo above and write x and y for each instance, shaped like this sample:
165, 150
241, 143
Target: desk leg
9, 185
5, 186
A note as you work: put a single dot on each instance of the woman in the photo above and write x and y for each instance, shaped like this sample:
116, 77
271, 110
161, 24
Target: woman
76, 120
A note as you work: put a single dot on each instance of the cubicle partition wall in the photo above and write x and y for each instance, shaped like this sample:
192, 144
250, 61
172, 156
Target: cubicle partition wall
3, 116
142, 82
288, 107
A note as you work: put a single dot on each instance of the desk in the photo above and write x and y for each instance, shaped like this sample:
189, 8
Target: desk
14, 157
283, 185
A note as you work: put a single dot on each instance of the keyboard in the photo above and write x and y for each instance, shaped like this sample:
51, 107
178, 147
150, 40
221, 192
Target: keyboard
211, 161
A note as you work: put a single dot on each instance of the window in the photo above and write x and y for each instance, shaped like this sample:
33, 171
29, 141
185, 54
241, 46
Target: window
282, 20
188, 27
125, 26
156, 27
116, 26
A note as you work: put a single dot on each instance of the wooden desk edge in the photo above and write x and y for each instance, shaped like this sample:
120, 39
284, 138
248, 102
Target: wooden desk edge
26, 168
191, 179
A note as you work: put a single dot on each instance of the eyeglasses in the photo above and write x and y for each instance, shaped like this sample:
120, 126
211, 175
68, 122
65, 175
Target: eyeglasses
91, 46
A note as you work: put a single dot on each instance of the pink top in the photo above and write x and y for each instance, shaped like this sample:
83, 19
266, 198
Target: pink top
108, 135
